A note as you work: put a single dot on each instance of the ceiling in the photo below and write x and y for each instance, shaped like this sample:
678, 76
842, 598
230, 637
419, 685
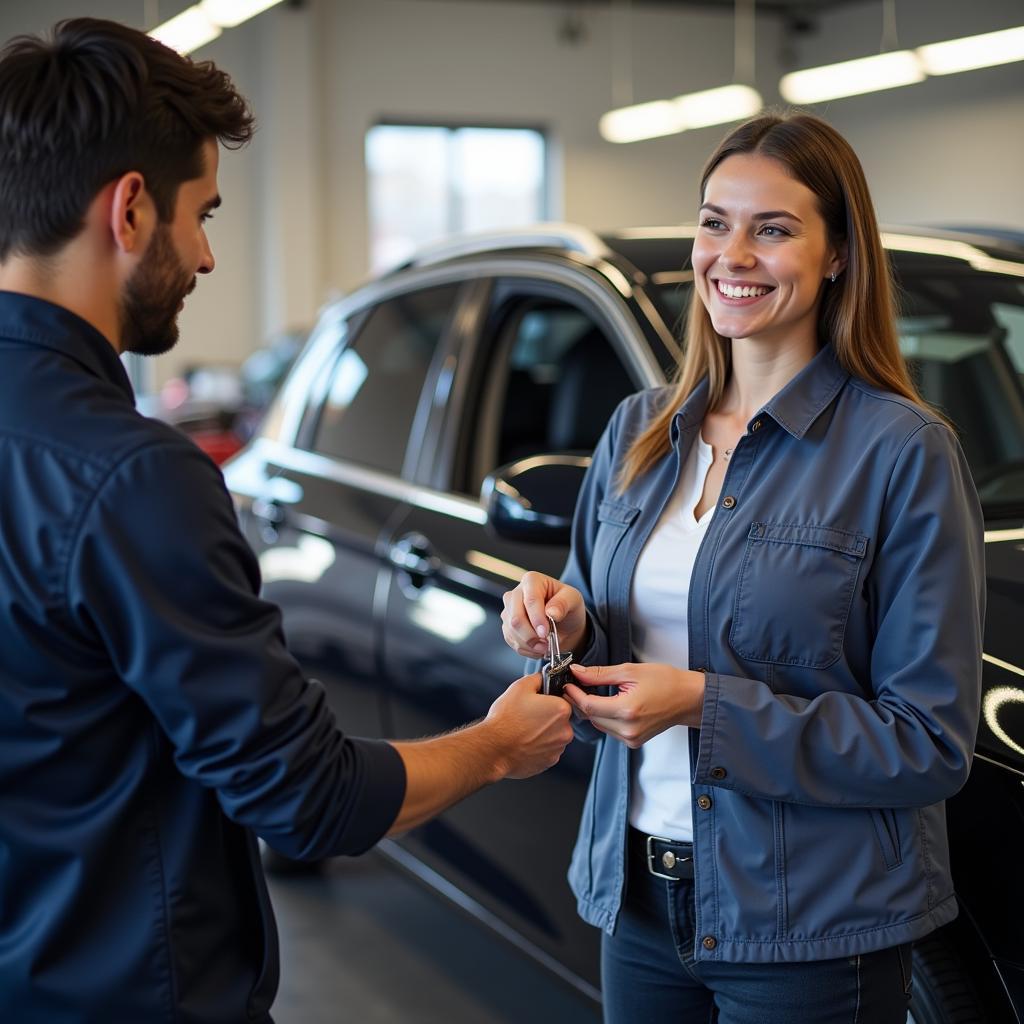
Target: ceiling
788, 8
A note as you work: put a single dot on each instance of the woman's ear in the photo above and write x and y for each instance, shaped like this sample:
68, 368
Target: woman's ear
840, 257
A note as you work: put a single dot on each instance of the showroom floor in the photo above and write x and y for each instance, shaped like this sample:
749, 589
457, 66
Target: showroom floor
364, 942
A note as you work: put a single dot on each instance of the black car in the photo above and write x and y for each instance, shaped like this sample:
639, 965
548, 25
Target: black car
427, 448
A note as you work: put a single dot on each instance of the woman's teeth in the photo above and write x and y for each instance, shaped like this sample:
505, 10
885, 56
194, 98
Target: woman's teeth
742, 292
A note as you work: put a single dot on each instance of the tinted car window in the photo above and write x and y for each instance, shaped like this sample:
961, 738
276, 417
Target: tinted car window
962, 332
553, 390
383, 371
959, 330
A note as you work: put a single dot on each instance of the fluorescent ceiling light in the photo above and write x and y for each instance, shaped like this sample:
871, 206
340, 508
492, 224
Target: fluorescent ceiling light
187, 31
973, 52
643, 121
718, 106
852, 77
692, 110
202, 23
229, 13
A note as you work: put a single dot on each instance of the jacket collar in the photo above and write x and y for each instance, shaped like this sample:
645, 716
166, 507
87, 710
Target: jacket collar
42, 324
794, 408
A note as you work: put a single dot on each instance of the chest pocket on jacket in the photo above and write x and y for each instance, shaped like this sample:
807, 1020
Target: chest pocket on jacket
794, 592
614, 519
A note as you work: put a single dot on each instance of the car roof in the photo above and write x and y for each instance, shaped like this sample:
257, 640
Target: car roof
659, 247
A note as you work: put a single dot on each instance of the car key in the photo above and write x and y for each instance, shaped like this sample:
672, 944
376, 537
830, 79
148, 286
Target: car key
555, 672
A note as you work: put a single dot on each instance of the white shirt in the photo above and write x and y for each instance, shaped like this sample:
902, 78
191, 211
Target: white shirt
660, 802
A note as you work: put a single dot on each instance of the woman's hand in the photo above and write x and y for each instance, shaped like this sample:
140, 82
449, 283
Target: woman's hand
651, 699
524, 623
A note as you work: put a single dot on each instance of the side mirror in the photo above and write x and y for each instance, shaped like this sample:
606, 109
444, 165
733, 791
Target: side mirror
532, 500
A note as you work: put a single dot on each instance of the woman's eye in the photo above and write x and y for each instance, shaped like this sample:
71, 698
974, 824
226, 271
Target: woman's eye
773, 231
711, 222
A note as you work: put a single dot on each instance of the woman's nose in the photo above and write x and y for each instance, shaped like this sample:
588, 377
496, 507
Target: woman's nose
737, 251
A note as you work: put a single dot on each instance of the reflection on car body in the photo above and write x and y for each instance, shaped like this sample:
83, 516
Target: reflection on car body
427, 449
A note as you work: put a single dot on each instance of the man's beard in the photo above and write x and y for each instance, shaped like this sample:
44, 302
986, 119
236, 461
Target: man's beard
149, 310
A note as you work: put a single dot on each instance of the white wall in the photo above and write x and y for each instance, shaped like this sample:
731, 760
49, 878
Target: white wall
950, 149
293, 226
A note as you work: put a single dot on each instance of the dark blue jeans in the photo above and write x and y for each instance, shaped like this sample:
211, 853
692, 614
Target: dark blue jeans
648, 973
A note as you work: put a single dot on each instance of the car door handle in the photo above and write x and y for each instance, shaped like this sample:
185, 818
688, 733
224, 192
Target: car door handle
414, 554
268, 511
269, 516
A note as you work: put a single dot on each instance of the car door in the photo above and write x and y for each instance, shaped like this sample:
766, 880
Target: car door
548, 367
322, 507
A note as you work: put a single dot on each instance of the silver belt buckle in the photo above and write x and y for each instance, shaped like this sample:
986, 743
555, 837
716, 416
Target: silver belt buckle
651, 855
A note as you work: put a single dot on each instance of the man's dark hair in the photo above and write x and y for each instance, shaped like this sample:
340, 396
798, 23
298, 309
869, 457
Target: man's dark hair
92, 102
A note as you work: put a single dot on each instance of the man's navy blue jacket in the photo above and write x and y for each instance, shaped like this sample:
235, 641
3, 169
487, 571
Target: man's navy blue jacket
151, 718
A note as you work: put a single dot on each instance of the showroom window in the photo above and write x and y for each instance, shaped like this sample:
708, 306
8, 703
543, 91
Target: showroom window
374, 392
428, 181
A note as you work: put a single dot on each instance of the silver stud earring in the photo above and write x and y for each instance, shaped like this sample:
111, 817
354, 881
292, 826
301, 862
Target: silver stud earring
833, 277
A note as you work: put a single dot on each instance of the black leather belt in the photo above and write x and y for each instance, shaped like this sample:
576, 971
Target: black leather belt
663, 858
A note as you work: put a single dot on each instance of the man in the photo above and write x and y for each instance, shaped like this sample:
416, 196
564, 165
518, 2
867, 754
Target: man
152, 722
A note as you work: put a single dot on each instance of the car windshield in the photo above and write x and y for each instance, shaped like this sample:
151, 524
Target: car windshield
962, 332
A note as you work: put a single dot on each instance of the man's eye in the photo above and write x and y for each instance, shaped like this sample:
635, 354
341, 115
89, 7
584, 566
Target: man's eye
206, 216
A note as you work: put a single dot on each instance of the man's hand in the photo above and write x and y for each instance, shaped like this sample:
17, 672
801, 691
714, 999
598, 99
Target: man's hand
531, 728
524, 733
524, 623
651, 699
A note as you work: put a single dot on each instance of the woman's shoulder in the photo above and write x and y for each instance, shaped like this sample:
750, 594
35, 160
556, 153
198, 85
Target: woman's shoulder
639, 408
896, 411
898, 428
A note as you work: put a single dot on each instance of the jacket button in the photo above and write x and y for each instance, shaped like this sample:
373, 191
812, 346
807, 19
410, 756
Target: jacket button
708, 942
704, 803
729, 502
718, 773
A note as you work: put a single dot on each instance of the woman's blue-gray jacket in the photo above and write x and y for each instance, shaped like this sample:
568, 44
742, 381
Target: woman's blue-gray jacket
836, 609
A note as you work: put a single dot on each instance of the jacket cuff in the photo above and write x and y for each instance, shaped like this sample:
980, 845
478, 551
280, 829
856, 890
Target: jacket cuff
378, 804
706, 756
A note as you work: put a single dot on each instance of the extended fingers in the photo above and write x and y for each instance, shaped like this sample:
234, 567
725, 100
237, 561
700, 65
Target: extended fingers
604, 675
534, 586
593, 706
517, 627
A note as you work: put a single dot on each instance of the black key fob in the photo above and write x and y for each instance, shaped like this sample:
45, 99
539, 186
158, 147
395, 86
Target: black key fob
555, 671
555, 675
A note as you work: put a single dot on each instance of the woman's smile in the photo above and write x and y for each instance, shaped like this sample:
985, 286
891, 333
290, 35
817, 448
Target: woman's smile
741, 293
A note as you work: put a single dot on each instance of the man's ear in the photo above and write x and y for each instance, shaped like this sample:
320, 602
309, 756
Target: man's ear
132, 213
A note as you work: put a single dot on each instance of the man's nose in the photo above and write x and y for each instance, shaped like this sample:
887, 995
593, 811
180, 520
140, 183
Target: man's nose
206, 261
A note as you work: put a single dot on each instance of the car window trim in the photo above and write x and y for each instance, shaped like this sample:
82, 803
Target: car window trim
365, 478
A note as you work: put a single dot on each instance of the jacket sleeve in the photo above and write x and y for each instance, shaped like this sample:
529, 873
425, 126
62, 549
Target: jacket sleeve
584, 531
910, 743
160, 575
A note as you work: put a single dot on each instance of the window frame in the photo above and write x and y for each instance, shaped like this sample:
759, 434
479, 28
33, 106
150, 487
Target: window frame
485, 372
357, 322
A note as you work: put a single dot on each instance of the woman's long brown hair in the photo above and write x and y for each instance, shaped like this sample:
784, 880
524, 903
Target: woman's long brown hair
858, 313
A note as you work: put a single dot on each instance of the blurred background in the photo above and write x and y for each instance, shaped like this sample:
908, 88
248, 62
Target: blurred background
385, 124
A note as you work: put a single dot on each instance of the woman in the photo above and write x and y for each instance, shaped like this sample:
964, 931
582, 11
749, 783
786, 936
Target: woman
777, 568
